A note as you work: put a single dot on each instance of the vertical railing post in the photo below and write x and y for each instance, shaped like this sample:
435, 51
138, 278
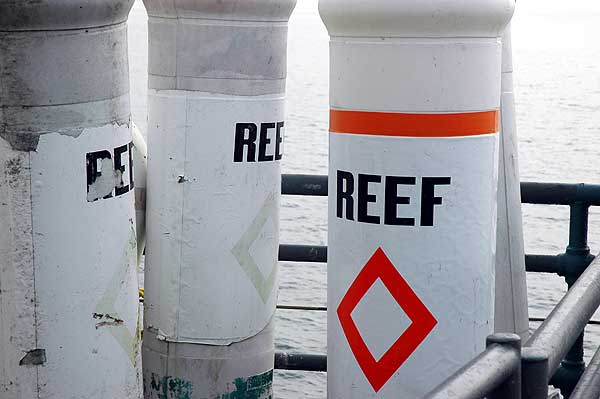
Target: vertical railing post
511, 388
573, 262
534, 373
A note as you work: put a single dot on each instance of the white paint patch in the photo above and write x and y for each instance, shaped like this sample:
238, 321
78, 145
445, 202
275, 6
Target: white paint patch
449, 265
106, 182
212, 222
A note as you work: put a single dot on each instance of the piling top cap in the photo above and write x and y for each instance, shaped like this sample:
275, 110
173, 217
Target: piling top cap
231, 10
48, 15
416, 18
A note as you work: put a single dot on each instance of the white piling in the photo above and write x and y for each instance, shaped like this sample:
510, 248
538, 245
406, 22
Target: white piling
511, 313
415, 97
68, 282
216, 124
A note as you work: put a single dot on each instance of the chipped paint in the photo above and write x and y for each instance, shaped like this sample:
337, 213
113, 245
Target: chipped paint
35, 357
33, 104
106, 320
105, 182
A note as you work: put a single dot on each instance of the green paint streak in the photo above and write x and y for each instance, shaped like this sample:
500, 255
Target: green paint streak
255, 387
169, 388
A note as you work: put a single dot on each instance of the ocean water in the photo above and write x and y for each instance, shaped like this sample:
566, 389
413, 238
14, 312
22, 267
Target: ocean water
557, 88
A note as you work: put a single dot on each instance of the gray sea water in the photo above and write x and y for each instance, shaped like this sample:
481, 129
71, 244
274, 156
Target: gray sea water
557, 87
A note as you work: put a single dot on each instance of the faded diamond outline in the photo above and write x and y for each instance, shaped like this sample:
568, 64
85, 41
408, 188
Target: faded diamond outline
241, 250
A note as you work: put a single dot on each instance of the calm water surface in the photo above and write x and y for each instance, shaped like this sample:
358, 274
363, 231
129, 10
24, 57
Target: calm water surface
557, 77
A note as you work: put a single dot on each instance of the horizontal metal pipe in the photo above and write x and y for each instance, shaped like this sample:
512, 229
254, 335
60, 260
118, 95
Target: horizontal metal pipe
300, 307
318, 253
588, 386
531, 192
542, 263
559, 193
480, 376
324, 309
302, 253
568, 319
304, 185
541, 319
300, 361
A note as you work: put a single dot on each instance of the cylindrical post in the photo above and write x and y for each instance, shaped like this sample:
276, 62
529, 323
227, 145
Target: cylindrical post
511, 387
510, 311
534, 373
415, 96
217, 72
68, 298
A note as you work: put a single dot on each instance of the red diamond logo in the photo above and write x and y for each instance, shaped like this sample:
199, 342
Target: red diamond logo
378, 372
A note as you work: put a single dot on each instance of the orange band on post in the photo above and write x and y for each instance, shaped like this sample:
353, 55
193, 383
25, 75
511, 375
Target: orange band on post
413, 125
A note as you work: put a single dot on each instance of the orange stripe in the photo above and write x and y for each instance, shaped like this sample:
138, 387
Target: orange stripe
413, 125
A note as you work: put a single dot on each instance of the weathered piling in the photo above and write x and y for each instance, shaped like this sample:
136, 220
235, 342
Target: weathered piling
216, 121
415, 97
68, 282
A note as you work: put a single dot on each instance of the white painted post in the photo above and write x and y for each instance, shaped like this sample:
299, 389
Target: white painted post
511, 313
68, 283
415, 97
217, 74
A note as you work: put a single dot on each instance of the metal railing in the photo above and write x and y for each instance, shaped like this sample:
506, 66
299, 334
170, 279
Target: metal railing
553, 354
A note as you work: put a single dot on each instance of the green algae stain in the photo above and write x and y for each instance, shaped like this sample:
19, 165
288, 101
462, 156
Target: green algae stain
255, 387
169, 388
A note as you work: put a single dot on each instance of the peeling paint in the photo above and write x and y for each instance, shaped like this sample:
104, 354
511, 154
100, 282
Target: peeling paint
27, 138
105, 182
39, 96
106, 320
